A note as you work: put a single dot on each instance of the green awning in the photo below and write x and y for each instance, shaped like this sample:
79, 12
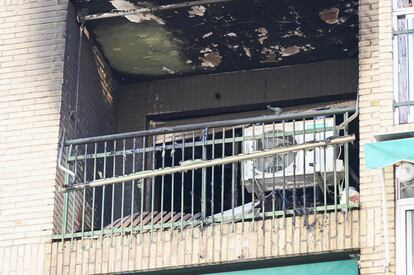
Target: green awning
386, 153
348, 267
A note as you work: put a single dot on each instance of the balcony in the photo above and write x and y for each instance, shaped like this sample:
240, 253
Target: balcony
288, 172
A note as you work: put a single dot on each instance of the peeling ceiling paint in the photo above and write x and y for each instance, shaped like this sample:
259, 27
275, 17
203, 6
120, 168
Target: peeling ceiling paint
237, 35
330, 16
290, 50
135, 18
197, 11
211, 59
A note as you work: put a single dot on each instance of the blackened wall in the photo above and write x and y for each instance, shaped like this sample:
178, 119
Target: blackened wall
95, 112
246, 89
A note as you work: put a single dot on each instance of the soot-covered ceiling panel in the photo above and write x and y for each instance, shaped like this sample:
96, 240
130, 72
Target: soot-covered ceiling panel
228, 36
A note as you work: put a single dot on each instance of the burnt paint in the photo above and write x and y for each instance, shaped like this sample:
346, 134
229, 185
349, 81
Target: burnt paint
242, 35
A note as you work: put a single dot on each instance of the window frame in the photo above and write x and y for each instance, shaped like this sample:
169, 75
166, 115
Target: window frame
403, 206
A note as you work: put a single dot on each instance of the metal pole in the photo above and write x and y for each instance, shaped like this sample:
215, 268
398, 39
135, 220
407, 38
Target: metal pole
217, 124
199, 164
149, 9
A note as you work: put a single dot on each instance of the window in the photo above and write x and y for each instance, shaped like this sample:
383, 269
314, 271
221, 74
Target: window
405, 228
405, 234
403, 21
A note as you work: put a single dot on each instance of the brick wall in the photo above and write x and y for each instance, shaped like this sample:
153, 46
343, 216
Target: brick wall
32, 37
32, 78
170, 249
376, 117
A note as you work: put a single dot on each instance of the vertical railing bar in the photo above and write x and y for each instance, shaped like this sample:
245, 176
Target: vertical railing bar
204, 178
75, 169
294, 194
346, 159
192, 187
133, 189
305, 213
123, 191
74, 197
113, 191
284, 173
141, 223
103, 192
223, 154
304, 169
72, 231
172, 181
253, 227
325, 197
95, 152
314, 167
242, 176
265, 143
162, 182
233, 175
213, 155
182, 188
275, 165
294, 176
65, 198
85, 165
335, 176
153, 188
192, 194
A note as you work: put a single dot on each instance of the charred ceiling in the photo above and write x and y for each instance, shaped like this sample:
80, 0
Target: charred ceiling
228, 36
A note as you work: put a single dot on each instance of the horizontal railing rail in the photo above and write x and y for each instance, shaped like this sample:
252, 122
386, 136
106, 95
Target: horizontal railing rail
217, 124
207, 174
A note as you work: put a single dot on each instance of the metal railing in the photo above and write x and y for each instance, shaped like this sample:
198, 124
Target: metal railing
404, 65
206, 174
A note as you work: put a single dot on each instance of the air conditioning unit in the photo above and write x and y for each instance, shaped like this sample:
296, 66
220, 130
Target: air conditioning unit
294, 169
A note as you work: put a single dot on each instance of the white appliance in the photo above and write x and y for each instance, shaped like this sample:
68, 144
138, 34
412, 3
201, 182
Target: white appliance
294, 169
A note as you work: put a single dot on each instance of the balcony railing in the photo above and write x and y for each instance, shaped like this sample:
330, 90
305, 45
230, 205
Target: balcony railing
236, 171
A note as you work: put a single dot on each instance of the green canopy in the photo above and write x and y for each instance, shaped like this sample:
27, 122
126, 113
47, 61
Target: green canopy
348, 267
386, 153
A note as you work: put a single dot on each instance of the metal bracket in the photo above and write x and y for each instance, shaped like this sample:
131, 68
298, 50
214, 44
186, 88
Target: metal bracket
80, 16
403, 104
409, 31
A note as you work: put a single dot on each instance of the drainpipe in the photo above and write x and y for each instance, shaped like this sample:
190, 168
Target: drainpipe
384, 205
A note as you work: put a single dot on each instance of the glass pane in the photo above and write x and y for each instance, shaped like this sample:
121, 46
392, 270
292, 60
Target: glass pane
404, 3
410, 242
